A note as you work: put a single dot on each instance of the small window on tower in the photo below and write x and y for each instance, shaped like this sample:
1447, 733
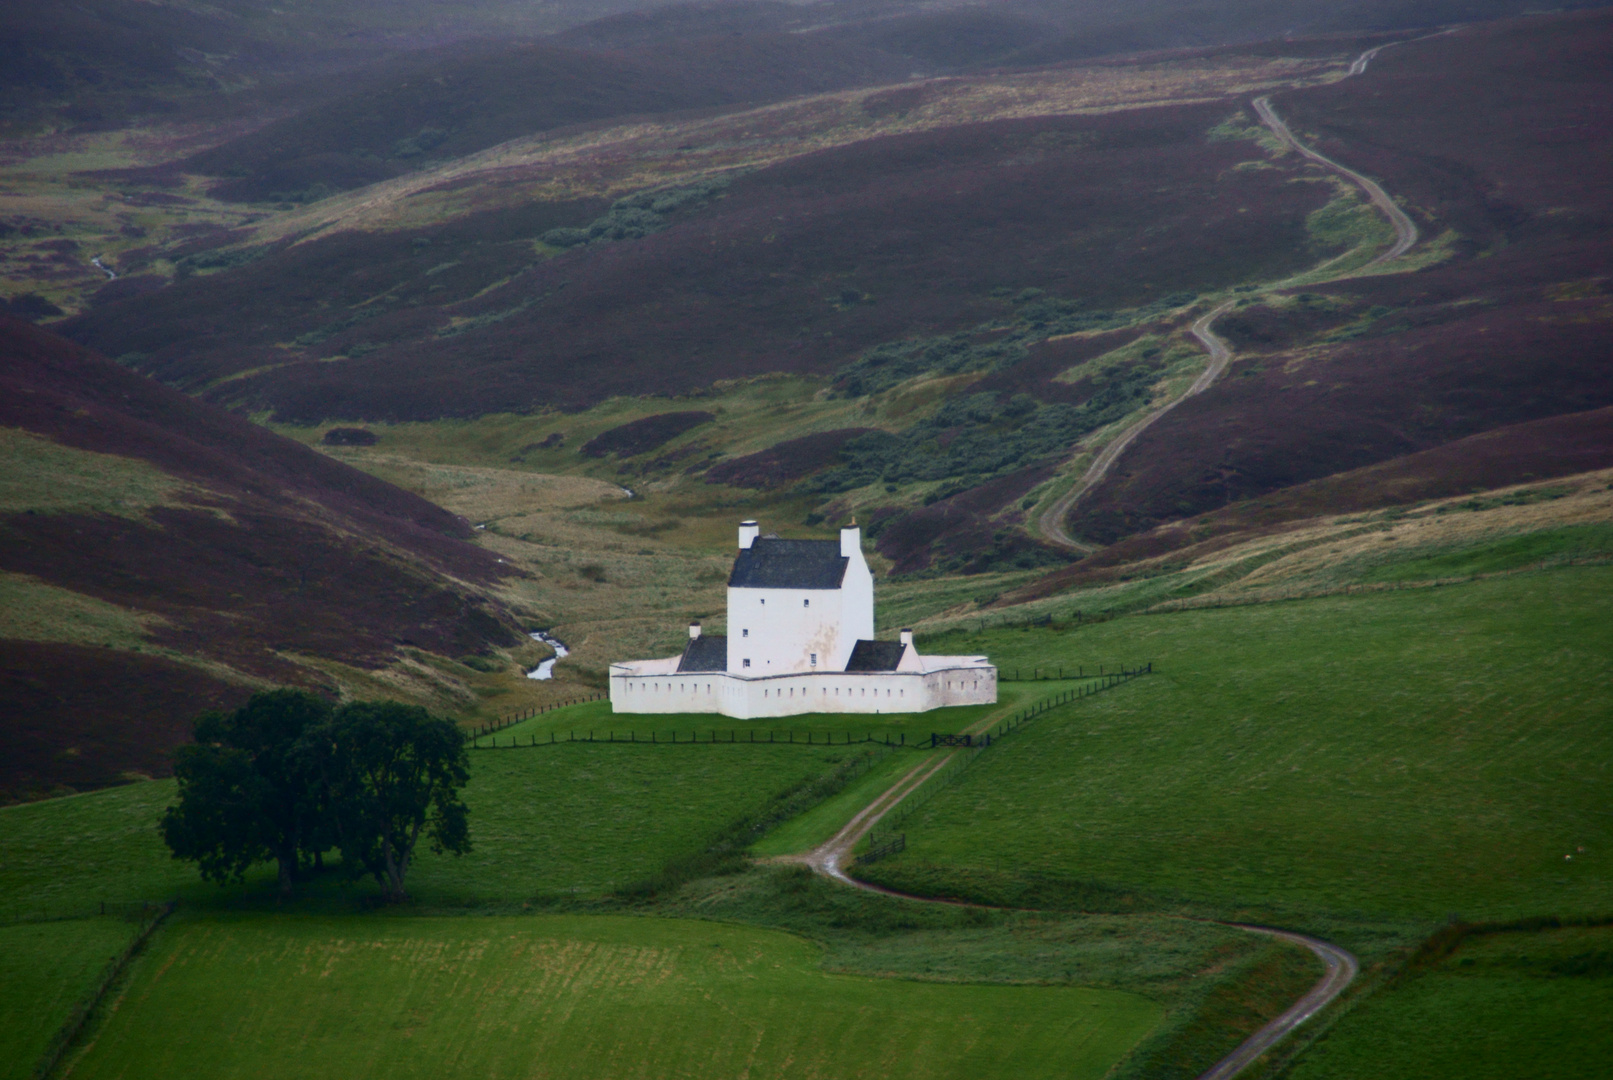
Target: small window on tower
806, 603
764, 601
744, 633
746, 663
814, 659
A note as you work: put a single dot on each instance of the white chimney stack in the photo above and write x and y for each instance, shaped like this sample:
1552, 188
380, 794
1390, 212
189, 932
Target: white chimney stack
907, 639
851, 539
748, 532
694, 630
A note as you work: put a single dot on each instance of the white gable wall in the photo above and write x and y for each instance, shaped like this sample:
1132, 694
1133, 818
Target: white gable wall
779, 630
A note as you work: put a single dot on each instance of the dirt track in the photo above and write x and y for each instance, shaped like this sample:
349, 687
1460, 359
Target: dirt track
831, 857
1405, 228
1050, 521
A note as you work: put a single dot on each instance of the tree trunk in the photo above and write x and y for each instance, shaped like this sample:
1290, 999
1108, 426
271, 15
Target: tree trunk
287, 865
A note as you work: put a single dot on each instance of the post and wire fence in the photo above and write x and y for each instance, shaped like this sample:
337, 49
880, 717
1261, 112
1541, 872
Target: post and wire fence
487, 736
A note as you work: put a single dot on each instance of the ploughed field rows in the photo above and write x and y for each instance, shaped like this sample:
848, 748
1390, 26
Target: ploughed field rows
559, 996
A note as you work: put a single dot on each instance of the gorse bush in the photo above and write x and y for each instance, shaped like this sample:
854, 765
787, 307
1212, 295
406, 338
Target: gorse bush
637, 215
979, 436
990, 346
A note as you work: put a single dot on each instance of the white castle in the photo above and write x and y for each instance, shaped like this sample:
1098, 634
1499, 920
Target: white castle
800, 640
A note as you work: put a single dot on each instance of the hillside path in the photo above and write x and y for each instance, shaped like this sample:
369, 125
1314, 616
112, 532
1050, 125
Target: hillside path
1050, 521
832, 858
1405, 228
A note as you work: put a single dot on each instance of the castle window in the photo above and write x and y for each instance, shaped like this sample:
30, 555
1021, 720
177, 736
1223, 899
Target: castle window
814, 659
746, 663
764, 601
806, 603
744, 633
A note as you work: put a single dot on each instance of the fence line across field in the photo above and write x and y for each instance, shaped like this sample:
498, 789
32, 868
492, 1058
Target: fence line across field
1036, 674
975, 745
791, 737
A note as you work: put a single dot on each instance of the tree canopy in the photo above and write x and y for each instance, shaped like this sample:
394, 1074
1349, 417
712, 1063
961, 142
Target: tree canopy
390, 774
288, 776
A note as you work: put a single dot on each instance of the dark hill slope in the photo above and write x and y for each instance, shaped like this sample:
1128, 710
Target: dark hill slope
806, 264
103, 63
1501, 133
1557, 446
447, 103
265, 556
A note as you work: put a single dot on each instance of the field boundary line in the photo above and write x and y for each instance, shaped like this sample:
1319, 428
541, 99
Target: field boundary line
68, 1033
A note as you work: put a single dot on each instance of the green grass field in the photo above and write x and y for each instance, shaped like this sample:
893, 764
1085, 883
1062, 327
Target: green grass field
558, 996
1502, 1006
818, 824
1386, 756
594, 817
582, 816
45, 968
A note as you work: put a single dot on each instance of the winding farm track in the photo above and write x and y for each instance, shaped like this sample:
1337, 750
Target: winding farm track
833, 856
1405, 228
1050, 521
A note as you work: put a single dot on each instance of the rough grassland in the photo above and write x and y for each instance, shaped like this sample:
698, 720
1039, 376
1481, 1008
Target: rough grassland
1502, 1006
44, 969
1395, 756
587, 816
575, 997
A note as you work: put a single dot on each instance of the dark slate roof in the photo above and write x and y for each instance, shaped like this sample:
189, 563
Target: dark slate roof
705, 653
875, 656
770, 563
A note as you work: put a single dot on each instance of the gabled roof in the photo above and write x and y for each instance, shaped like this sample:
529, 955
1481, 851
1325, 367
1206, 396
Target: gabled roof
705, 654
770, 563
875, 656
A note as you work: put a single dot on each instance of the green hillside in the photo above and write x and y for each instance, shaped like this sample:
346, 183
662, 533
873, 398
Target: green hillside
1392, 756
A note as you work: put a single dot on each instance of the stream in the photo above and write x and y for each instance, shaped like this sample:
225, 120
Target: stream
545, 670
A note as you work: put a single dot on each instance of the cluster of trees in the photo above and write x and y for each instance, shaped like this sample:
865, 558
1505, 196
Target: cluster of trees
289, 776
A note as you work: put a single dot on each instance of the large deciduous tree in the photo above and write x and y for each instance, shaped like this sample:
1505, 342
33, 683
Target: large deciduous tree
245, 794
390, 774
